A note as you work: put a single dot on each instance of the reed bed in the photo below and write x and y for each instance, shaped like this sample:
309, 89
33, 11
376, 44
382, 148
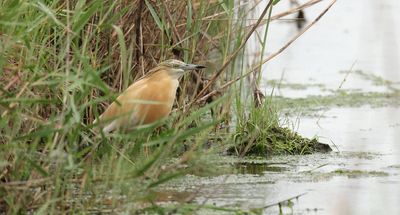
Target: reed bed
62, 62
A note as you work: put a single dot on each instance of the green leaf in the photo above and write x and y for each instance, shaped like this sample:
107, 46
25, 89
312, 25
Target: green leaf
274, 2
84, 17
45, 131
37, 167
189, 15
155, 16
195, 131
49, 13
123, 55
140, 171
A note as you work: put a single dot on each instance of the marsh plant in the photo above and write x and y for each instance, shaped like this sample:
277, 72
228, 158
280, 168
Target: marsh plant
62, 62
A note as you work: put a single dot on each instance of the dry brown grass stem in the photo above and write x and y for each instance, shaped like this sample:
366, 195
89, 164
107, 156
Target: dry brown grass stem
14, 104
295, 9
233, 55
26, 184
256, 67
275, 17
139, 36
171, 22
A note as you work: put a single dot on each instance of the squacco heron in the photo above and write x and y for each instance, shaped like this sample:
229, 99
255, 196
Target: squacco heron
147, 100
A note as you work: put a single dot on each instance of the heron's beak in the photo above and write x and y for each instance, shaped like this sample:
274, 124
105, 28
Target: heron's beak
192, 67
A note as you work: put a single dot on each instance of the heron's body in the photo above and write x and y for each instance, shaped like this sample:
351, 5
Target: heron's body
145, 101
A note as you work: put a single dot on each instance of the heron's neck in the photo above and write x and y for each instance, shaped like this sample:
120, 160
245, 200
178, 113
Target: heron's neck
163, 74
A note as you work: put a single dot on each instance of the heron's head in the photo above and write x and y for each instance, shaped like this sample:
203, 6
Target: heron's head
177, 68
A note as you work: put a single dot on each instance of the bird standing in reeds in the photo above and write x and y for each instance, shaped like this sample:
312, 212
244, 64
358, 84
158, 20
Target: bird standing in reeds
147, 100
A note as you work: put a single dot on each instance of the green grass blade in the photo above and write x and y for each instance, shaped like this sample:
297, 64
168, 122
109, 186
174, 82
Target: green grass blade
123, 55
155, 16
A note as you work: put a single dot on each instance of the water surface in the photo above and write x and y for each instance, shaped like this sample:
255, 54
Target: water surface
362, 175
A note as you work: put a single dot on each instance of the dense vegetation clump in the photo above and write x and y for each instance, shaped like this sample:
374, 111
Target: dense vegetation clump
261, 134
277, 141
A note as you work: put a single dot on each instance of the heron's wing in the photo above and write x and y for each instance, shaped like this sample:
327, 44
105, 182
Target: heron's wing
123, 107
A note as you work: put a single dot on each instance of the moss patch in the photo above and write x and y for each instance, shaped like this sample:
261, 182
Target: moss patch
276, 141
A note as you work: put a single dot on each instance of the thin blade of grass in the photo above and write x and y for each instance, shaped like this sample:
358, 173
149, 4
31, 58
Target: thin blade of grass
156, 18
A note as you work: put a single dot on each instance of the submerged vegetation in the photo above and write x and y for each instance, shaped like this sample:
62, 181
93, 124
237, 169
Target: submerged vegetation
62, 62
339, 97
313, 103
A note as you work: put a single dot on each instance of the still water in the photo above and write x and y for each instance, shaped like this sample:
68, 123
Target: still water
362, 175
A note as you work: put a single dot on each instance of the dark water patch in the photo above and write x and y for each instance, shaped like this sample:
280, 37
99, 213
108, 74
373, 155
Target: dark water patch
260, 168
